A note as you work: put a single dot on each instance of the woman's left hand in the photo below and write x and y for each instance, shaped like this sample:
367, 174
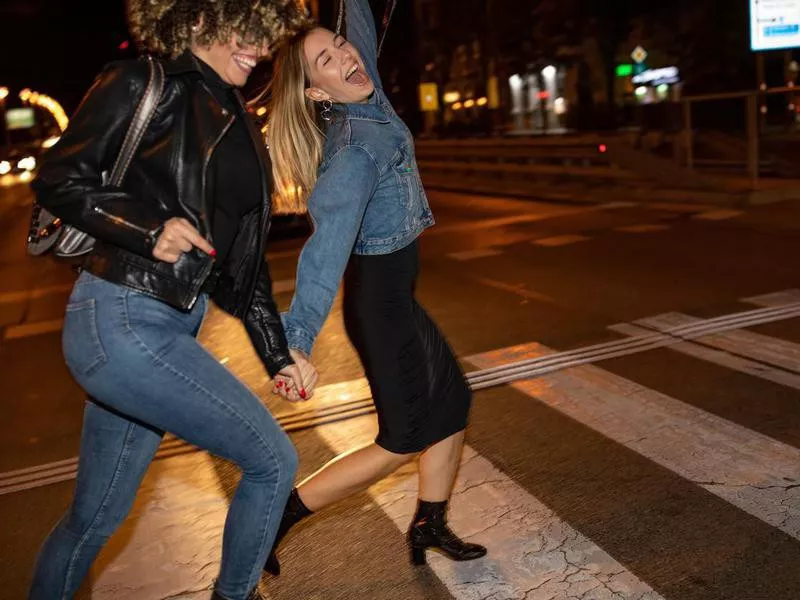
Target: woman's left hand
287, 388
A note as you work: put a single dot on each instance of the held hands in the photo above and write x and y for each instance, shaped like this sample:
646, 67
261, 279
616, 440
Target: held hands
297, 382
178, 237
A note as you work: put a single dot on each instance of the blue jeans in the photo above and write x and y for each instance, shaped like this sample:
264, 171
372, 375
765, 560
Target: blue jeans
139, 361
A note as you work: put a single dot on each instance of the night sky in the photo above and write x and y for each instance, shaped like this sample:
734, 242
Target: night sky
57, 47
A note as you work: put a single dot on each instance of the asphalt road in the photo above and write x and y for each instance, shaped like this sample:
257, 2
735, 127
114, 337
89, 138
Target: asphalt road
642, 464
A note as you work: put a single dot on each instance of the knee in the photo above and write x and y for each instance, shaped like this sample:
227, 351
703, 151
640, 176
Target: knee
277, 461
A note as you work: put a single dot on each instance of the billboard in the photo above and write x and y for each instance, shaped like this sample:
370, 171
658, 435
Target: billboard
20, 118
774, 24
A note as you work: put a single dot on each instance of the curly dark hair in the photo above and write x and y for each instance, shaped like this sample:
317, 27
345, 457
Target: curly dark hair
165, 26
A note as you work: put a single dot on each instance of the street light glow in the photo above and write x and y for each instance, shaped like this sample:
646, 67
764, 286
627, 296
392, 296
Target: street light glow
549, 71
3, 93
5, 167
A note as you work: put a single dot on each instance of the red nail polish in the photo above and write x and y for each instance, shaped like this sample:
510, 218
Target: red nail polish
303, 394
279, 385
213, 254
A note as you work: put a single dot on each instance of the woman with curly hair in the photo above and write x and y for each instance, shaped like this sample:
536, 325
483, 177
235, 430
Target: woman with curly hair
188, 224
368, 206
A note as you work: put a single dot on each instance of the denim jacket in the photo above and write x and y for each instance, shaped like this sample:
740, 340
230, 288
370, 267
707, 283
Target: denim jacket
368, 198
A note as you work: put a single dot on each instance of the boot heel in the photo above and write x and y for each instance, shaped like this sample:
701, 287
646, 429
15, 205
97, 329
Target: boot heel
418, 555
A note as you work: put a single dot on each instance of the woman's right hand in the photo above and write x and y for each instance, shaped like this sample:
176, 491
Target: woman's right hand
177, 237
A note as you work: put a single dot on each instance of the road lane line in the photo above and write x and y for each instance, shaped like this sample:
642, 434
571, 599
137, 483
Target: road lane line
34, 294
560, 240
721, 358
529, 546
754, 472
519, 290
775, 299
474, 254
29, 329
646, 228
749, 344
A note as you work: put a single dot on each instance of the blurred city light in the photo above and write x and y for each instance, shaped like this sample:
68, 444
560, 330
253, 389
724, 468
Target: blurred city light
549, 71
482, 101
25, 94
3, 93
50, 142
5, 167
28, 163
469, 103
457, 106
451, 97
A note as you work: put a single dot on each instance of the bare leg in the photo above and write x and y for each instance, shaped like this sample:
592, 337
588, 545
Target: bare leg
438, 466
348, 474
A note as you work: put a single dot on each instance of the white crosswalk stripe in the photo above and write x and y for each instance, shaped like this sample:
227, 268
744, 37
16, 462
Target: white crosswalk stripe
747, 469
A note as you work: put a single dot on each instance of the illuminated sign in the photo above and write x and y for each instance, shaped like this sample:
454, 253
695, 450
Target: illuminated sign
625, 70
774, 24
20, 118
428, 97
657, 76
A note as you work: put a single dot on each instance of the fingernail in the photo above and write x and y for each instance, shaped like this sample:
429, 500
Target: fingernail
279, 384
303, 394
213, 253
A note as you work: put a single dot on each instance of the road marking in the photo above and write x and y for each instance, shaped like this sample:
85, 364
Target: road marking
518, 289
29, 329
474, 254
529, 546
480, 224
616, 205
721, 358
35, 294
755, 346
747, 469
560, 240
775, 299
718, 215
648, 228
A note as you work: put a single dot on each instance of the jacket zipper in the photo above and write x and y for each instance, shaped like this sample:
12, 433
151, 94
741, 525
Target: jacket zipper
120, 221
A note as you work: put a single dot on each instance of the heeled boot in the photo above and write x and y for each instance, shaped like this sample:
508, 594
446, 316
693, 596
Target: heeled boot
429, 530
294, 512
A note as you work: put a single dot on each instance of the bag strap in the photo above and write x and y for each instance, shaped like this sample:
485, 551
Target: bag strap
387, 19
141, 119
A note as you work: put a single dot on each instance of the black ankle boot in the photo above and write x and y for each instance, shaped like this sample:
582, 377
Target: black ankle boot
429, 530
294, 512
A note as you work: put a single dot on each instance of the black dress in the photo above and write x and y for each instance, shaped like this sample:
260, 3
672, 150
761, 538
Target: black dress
419, 390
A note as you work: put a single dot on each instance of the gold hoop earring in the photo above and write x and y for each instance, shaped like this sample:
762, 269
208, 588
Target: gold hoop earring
327, 112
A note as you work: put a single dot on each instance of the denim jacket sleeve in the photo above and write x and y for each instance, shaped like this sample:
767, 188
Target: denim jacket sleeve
336, 207
362, 33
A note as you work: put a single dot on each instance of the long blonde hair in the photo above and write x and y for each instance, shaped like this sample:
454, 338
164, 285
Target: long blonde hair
295, 138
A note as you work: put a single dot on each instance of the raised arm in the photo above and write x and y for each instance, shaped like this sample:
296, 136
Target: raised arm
70, 184
337, 207
362, 33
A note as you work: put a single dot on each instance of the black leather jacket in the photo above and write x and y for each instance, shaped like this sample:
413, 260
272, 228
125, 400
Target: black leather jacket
167, 178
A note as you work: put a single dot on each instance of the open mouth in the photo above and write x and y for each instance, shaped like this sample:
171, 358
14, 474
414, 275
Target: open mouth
356, 76
245, 62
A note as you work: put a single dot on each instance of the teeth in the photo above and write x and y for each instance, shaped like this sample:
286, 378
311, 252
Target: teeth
246, 61
352, 70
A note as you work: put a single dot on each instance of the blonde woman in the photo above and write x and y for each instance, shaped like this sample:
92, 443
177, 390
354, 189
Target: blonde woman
189, 225
368, 208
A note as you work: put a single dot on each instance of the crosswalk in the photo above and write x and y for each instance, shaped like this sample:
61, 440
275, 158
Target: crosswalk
737, 487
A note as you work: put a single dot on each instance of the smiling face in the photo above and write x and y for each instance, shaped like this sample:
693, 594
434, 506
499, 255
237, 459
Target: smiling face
233, 61
336, 69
